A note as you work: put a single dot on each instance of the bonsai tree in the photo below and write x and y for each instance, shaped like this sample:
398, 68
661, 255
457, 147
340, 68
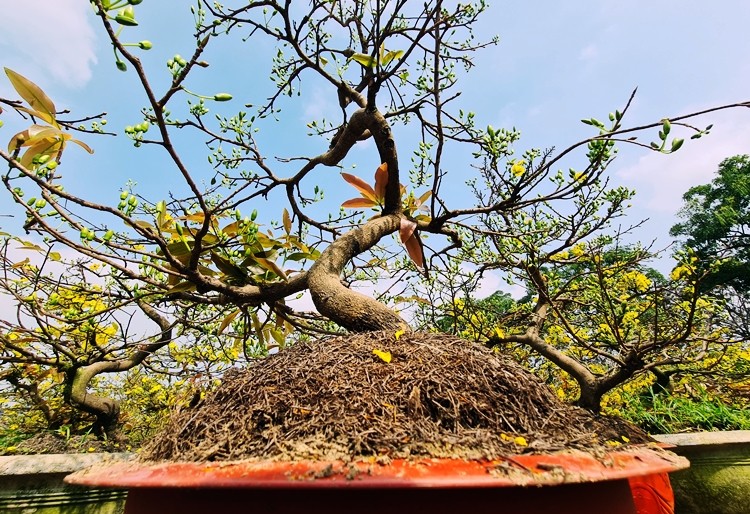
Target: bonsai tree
244, 233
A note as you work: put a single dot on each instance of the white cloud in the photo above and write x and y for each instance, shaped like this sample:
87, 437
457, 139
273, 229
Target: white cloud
589, 53
661, 180
53, 37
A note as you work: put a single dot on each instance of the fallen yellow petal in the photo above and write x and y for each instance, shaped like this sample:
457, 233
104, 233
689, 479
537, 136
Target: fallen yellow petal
520, 441
399, 333
386, 356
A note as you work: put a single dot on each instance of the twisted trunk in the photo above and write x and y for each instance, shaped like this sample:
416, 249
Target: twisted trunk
353, 311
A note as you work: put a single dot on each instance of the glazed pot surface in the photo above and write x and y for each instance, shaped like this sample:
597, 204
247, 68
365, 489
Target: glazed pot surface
561, 483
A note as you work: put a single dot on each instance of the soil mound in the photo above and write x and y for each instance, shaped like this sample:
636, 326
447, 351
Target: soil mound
339, 398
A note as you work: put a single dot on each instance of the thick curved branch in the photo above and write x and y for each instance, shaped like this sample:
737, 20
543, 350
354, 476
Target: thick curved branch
353, 311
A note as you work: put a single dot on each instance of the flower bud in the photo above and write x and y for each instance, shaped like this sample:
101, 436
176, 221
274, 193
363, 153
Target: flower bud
126, 17
222, 97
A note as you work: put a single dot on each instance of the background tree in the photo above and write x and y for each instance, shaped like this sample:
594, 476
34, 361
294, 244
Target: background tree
67, 330
593, 307
716, 229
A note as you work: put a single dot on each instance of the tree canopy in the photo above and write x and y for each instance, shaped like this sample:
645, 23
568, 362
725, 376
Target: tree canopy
715, 228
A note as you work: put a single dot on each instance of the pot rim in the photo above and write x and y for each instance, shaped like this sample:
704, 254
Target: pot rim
517, 470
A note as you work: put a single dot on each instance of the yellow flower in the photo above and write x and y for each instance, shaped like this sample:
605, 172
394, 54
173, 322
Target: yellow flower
577, 250
518, 168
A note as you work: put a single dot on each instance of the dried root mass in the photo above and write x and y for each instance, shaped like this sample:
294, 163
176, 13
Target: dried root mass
337, 398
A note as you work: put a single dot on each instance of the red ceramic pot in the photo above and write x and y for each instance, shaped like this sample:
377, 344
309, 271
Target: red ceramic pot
562, 483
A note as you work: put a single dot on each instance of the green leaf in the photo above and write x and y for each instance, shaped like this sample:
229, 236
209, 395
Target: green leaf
677, 144
34, 96
365, 60
228, 268
300, 256
391, 55
182, 287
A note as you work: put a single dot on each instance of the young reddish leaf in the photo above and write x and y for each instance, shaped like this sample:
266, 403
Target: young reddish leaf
226, 321
422, 199
355, 203
33, 95
287, 221
414, 249
381, 180
32, 112
407, 229
81, 144
271, 266
26, 137
197, 217
361, 186
231, 229
49, 134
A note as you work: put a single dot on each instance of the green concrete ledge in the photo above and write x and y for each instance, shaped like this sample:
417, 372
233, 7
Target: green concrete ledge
718, 480
33, 484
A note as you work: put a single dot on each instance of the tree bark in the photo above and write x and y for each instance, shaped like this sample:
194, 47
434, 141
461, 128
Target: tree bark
353, 311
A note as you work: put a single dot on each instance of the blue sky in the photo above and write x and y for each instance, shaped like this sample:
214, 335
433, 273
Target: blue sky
557, 62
